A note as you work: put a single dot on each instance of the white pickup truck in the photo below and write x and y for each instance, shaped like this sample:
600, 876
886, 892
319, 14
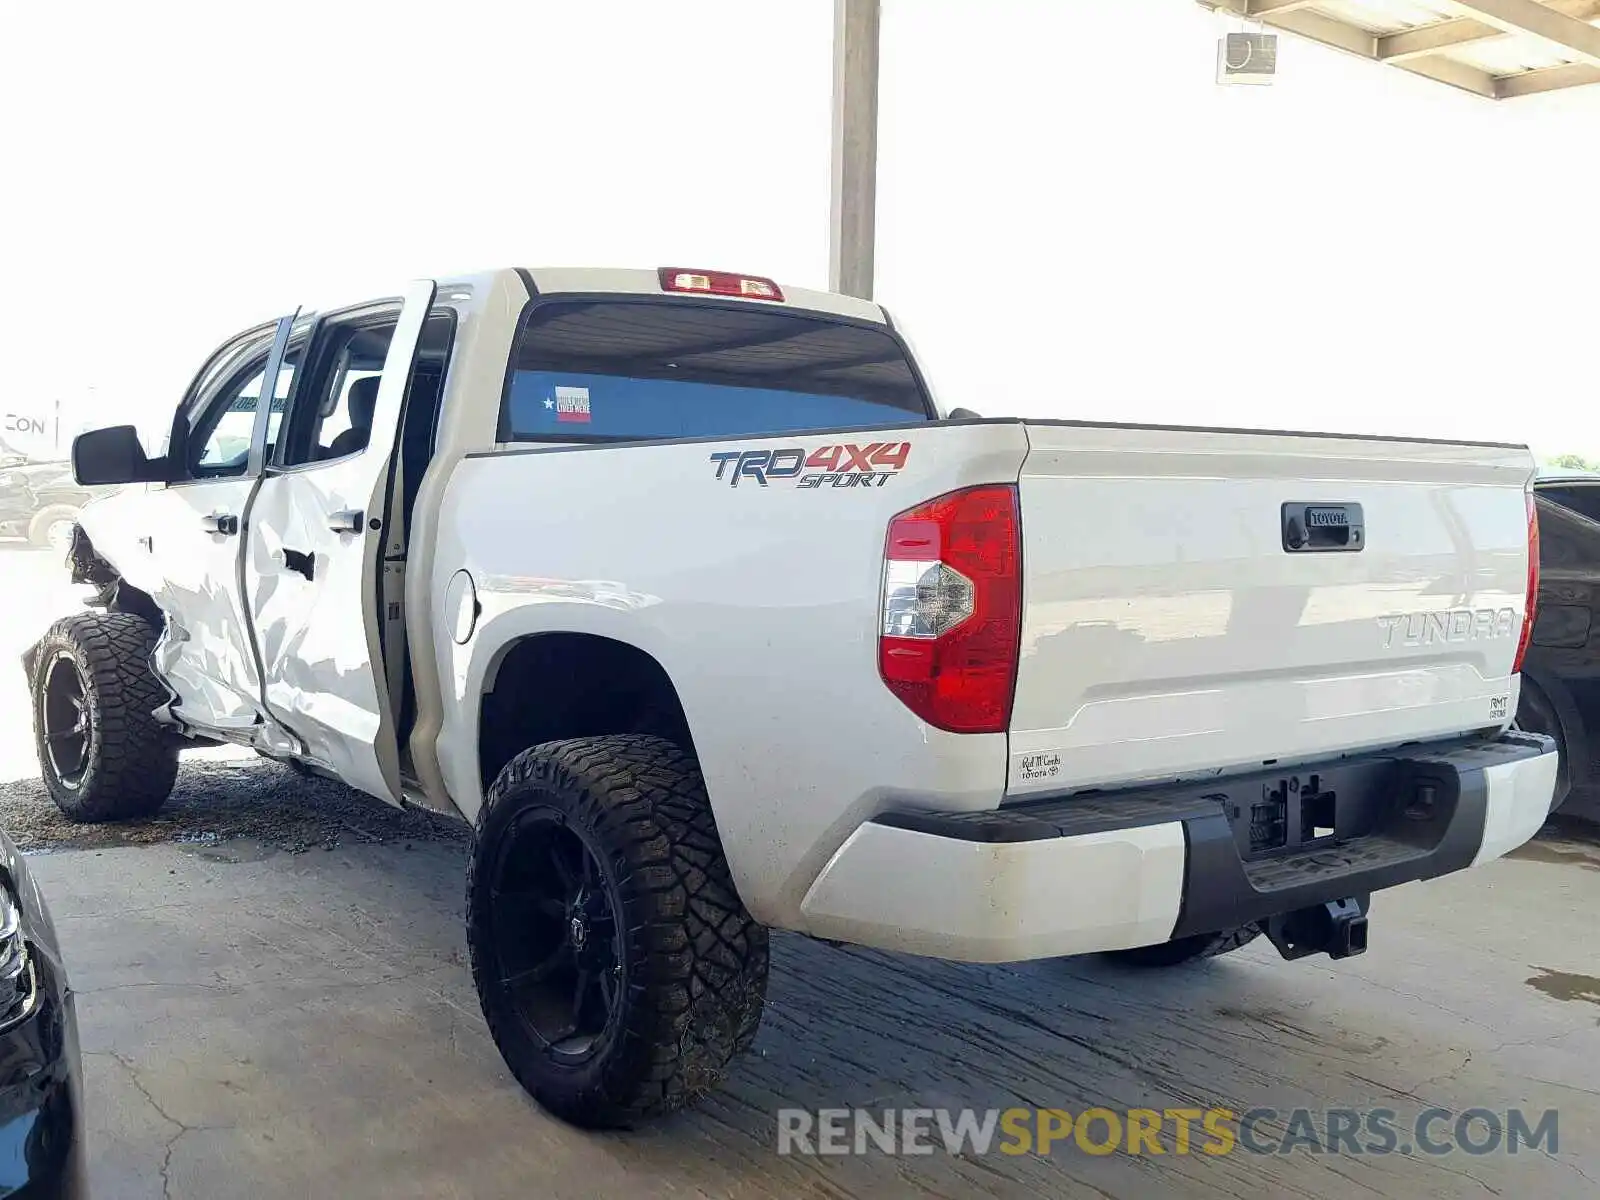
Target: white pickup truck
685, 590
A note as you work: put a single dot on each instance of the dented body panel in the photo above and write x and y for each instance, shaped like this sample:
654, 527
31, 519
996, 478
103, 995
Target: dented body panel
301, 579
156, 540
313, 554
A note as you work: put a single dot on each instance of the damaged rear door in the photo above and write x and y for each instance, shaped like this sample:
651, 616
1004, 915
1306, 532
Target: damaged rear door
315, 551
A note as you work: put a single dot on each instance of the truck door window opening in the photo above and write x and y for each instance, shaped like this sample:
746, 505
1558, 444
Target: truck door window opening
610, 370
332, 416
220, 444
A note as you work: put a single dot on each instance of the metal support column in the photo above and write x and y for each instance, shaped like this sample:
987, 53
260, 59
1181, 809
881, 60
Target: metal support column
855, 146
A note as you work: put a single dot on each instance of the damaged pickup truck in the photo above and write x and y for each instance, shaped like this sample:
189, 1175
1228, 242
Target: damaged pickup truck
685, 590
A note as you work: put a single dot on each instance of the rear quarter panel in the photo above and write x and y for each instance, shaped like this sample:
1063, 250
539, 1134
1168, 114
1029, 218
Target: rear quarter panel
761, 603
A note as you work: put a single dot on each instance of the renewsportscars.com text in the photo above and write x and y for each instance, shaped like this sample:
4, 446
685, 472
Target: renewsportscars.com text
1150, 1131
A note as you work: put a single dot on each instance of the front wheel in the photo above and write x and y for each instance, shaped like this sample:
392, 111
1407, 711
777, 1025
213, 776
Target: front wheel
619, 972
102, 753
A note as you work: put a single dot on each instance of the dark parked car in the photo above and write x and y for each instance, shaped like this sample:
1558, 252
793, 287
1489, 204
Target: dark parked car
40, 501
1561, 676
41, 1098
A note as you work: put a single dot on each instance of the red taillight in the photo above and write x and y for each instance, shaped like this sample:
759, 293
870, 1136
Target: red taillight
1532, 604
952, 609
719, 283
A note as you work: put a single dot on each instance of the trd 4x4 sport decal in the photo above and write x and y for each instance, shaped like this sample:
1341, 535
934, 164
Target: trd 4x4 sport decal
829, 466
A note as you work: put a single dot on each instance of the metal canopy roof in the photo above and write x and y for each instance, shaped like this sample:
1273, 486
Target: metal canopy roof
1493, 48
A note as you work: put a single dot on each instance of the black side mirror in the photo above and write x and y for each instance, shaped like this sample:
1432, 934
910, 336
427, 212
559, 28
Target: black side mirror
963, 414
114, 455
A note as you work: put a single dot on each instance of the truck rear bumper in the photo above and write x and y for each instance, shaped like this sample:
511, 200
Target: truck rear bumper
1109, 871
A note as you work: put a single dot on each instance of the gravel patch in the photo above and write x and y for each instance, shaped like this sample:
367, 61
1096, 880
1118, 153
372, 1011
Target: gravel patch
222, 799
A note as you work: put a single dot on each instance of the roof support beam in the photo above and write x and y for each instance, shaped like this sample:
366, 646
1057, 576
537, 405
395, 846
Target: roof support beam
1287, 14
1529, 16
1531, 83
1457, 74
1341, 36
1269, 8
1430, 39
1462, 31
1424, 50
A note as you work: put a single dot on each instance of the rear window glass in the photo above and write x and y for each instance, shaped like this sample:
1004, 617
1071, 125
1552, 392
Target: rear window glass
586, 371
1585, 501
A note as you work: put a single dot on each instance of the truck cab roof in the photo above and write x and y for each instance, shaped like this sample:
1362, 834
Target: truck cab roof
556, 280
614, 281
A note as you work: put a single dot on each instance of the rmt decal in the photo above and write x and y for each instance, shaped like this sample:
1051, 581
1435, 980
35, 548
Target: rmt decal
871, 465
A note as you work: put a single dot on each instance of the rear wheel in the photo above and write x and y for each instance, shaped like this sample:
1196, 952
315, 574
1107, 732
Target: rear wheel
102, 753
618, 971
1536, 714
1187, 949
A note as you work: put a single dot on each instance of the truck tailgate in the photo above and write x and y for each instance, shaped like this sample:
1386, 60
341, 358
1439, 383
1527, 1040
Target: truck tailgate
1172, 626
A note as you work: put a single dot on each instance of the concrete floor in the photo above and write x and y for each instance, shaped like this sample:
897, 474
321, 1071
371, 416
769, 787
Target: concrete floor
262, 1024
261, 1019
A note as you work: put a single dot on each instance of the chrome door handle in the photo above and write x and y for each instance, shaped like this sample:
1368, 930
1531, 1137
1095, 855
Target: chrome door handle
346, 520
224, 523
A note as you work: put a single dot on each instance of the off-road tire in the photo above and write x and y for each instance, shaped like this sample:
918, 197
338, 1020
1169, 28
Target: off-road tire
694, 961
1187, 949
40, 524
131, 760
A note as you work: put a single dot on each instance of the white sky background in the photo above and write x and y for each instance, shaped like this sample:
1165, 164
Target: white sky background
1074, 220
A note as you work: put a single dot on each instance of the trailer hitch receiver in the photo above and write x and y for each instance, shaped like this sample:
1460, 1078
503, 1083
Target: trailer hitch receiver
1337, 928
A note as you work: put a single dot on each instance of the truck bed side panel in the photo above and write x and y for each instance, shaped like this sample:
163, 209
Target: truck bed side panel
762, 603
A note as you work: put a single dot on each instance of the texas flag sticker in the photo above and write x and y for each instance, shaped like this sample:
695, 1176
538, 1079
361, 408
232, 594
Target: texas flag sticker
572, 404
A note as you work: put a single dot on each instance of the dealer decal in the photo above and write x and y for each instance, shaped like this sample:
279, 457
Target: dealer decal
1032, 767
871, 465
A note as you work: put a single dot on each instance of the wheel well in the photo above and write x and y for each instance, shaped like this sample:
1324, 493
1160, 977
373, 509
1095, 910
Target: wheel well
115, 594
561, 685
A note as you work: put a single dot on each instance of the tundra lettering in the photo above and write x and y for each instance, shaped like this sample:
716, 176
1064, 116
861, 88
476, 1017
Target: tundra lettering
1449, 625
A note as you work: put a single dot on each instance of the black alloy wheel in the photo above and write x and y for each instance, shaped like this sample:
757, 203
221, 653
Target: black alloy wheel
619, 972
64, 718
103, 754
554, 932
